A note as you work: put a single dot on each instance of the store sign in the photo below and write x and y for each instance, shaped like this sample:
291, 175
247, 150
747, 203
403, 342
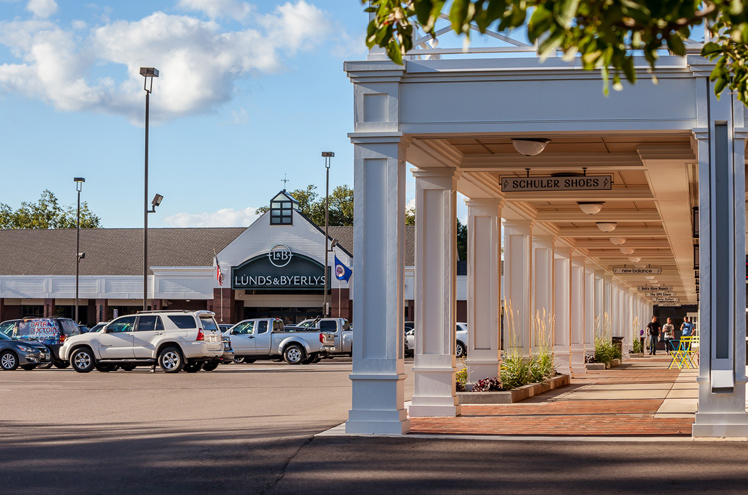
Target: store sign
625, 270
669, 305
660, 294
550, 183
647, 288
279, 269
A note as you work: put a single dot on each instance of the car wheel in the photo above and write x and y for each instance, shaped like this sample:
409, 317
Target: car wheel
460, 350
105, 367
294, 354
317, 358
62, 364
239, 360
128, 367
83, 360
8, 360
211, 365
193, 367
171, 360
28, 367
310, 358
44, 366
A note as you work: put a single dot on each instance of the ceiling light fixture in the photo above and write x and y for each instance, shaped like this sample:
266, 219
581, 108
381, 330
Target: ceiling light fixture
607, 226
635, 259
530, 146
649, 277
618, 240
627, 250
591, 207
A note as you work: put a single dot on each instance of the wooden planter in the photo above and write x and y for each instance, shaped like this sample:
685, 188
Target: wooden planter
603, 366
514, 395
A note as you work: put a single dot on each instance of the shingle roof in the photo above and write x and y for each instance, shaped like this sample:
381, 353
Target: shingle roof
108, 251
120, 251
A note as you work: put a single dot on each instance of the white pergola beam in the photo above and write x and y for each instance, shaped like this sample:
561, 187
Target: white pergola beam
577, 216
617, 194
619, 232
572, 161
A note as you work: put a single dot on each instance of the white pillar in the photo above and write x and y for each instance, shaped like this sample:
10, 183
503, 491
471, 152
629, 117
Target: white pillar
518, 284
607, 321
577, 306
722, 379
543, 288
561, 309
590, 311
484, 289
378, 238
599, 304
435, 303
632, 332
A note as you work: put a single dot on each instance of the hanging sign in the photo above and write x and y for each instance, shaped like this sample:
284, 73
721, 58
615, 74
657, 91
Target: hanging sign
559, 183
660, 294
625, 270
669, 305
647, 288
665, 299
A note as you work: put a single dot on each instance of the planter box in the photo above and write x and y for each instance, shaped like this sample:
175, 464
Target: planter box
514, 395
603, 366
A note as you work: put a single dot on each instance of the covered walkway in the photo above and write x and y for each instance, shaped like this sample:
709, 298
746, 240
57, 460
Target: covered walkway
640, 398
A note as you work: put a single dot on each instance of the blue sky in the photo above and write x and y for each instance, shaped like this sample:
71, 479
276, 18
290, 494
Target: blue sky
249, 91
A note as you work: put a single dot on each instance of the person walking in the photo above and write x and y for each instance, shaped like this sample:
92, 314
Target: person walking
653, 328
668, 334
686, 328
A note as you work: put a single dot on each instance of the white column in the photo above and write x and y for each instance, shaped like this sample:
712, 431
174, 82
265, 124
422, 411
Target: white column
561, 309
633, 322
378, 238
484, 289
435, 304
590, 308
577, 306
607, 321
621, 309
543, 288
518, 284
599, 303
722, 379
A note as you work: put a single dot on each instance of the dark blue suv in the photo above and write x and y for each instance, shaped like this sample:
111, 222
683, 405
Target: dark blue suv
51, 332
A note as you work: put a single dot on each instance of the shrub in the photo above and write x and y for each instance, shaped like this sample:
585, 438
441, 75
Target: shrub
605, 351
541, 366
461, 377
488, 385
515, 371
637, 346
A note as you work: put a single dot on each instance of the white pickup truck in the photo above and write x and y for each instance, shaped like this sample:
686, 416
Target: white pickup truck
337, 334
268, 338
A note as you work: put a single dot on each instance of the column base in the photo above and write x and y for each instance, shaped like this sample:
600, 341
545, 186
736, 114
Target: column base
716, 425
433, 407
434, 393
562, 360
378, 407
577, 361
478, 370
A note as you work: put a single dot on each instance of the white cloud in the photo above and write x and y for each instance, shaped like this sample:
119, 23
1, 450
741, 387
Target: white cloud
198, 61
227, 217
218, 8
42, 8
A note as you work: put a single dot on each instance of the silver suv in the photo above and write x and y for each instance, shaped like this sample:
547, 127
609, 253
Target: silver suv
175, 340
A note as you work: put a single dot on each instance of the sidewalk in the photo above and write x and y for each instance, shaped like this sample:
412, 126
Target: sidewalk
639, 398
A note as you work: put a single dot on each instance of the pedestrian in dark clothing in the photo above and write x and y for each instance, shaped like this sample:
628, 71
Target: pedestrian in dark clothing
654, 332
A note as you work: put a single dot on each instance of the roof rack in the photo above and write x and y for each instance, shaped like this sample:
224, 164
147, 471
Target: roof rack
175, 311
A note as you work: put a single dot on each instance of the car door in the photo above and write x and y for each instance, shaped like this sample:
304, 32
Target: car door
243, 338
117, 340
263, 337
149, 330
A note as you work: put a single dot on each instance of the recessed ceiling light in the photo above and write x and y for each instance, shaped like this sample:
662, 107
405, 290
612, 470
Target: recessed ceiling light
627, 250
635, 259
591, 207
530, 146
618, 240
607, 226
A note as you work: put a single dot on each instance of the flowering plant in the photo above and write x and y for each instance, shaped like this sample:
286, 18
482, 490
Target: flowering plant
488, 385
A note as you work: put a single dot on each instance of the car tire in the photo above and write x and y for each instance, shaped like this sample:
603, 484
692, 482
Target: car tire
45, 366
317, 358
310, 358
83, 360
8, 360
460, 351
193, 367
61, 364
294, 354
239, 360
170, 360
28, 367
210, 366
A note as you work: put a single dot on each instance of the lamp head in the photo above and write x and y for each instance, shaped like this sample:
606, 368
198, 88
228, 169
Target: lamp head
530, 146
328, 154
157, 200
591, 207
607, 226
618, 240
148, 72
79, 183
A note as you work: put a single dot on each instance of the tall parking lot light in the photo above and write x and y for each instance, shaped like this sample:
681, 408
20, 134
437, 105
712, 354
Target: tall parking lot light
78, 255
327, 155
148, 73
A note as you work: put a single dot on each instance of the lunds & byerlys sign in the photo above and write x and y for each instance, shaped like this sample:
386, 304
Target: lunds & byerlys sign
556, 183
279, 269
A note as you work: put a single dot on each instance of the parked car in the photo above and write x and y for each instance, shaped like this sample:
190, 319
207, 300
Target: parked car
51, 332
175, 340
96, 328
337, 334
460, 340
27, 355
269, 338
224, 326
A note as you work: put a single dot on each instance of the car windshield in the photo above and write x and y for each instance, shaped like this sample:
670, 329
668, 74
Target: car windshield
6, 328
4, 337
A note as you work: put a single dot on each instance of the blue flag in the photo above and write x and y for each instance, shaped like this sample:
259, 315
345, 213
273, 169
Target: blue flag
342, 272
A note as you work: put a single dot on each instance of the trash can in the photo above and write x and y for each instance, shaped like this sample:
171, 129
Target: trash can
618, 342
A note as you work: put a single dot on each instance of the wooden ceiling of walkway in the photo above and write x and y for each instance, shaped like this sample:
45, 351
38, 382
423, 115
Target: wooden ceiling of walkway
655, 186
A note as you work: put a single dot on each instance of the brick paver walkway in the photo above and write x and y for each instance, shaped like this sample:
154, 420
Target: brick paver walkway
617, 402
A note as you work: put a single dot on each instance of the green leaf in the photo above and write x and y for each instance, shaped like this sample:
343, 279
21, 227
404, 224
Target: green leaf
565, 11
711, 48
393, 52
720, 84
675, 44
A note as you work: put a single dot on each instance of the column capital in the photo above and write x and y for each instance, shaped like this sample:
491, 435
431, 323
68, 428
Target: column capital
427, 173
544, 239
563, 251
524, 224
484, 202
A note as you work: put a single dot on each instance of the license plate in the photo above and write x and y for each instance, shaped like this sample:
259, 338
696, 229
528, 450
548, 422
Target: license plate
332, 349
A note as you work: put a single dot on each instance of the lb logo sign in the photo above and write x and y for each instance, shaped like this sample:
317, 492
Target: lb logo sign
280, 255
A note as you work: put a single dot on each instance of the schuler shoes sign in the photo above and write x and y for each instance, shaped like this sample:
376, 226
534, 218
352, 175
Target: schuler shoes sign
279, 269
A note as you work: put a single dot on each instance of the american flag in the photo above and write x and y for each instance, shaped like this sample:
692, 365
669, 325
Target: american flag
219, 275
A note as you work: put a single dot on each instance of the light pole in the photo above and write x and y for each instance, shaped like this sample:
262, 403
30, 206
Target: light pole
78, 255
148, 73
327, 155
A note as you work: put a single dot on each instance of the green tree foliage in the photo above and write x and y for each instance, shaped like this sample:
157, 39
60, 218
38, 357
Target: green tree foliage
46, 214
602, 33
312, 205
461, 240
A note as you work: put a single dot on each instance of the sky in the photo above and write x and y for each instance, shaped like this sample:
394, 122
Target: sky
248, 93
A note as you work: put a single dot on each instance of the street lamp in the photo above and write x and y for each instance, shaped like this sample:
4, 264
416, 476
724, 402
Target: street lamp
78, 255
148, 73
327, 155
